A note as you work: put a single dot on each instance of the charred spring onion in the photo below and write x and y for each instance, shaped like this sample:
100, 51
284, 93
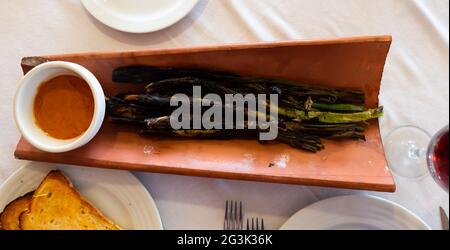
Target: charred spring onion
306, 113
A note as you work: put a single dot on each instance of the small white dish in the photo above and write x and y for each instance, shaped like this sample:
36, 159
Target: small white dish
139, 16
24, 100
355, 212
118, 194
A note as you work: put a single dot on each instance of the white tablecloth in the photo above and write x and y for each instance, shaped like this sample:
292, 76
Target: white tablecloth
415, 87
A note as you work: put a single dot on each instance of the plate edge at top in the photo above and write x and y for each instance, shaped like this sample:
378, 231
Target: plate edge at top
183, 11
396, 205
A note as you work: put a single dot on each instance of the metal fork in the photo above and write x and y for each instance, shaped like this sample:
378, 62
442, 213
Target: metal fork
234, 218
256, 226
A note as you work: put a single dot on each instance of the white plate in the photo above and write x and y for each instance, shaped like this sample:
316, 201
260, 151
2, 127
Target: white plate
354, 213
139, 16
116, 193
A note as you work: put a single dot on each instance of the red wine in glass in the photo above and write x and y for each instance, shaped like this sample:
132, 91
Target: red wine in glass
438, 157
412, 153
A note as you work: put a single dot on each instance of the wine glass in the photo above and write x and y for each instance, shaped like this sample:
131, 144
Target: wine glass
412, 153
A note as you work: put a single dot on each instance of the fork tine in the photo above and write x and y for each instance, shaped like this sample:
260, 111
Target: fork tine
225, 221
241, 217
257, 224
236, 216
230, 215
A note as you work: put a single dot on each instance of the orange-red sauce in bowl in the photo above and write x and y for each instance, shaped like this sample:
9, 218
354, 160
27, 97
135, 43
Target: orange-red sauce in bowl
64, 107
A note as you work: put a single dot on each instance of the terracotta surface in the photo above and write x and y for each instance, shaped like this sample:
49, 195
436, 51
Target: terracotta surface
355, 63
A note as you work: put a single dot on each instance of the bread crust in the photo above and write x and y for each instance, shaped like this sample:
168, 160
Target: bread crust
9, 218
56, 205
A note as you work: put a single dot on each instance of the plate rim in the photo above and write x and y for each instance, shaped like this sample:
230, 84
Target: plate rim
140, 27
10, 179
380, 199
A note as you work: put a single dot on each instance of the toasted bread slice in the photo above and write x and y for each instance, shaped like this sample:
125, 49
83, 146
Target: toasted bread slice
9, 218
56, 205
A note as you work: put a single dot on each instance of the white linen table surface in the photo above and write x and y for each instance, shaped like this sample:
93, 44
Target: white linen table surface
415, 85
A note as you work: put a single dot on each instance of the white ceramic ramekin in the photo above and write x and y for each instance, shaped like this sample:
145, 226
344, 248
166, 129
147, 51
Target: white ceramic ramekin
24, 100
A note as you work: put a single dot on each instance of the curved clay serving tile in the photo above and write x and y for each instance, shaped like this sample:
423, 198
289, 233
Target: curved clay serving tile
355, 63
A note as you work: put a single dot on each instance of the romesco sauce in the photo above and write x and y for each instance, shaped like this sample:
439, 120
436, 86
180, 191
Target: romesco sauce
64, 107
